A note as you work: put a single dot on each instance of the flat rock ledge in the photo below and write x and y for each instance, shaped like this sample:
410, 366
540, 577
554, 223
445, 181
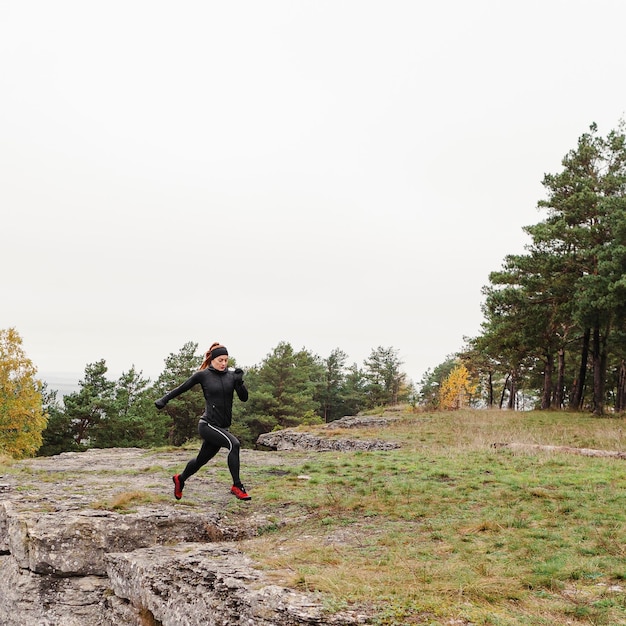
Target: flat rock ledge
219, 584
294, 439
66, 561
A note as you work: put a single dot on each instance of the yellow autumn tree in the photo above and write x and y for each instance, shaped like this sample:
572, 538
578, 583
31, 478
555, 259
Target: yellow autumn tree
22, 419
456, 389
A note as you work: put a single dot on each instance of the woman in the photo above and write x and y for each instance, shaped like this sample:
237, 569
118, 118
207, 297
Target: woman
218, 384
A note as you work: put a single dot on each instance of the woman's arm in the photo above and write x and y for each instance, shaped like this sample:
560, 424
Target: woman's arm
240, 388
188, 384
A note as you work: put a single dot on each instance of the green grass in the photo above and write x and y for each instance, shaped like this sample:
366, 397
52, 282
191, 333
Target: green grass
450, 528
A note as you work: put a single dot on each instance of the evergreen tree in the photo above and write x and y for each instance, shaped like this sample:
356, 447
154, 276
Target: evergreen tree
87, 407
330, 389
586, 226
353, 393
385, 378
58, 435
185, 410
282, 391
132, 420
348, 390
567, 293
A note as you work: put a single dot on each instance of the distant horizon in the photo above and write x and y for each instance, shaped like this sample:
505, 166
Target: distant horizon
59, 374
63, 383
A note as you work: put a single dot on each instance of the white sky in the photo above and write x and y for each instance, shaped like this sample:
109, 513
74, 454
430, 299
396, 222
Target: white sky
327, 173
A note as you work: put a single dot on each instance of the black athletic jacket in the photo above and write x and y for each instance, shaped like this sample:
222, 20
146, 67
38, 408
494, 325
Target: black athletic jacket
218, 388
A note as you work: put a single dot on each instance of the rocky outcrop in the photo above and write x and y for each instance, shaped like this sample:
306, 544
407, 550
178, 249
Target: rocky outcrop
297, 439
219, 584
29, 599
290, 439
96, 539
362, 421
74, 543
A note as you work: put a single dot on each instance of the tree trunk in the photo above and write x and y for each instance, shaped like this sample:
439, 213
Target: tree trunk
506, 382
579, 385
620, 397
560, 381
546, 398
599, 370
490, 389
512, 393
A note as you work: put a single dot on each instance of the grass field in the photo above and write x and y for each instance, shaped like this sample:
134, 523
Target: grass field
449, 529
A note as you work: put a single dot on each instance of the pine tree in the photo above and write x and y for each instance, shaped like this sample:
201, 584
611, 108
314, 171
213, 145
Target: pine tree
282, 391
132, 420
185, 410
568, 292
386, 379
58, 435
91, 404
333, 381
586, 226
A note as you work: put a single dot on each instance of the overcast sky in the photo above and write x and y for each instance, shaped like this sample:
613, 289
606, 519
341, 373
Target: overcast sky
334, 174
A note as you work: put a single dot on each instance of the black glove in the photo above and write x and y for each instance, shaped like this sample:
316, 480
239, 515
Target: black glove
238, 376
160, 404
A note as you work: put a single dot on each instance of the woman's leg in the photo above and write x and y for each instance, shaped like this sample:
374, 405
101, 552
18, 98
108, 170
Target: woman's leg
233, 465
224, 439
207, 452
210, 447
233, 460
214, 439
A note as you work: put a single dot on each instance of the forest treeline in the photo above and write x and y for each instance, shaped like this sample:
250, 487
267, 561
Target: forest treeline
554, 332
290, 387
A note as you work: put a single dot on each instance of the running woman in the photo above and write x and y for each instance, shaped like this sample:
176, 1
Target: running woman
218, 385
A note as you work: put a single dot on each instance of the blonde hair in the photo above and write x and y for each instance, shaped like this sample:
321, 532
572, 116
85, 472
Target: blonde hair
208, 355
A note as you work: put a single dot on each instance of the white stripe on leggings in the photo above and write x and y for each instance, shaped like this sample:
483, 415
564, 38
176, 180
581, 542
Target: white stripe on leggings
230, 443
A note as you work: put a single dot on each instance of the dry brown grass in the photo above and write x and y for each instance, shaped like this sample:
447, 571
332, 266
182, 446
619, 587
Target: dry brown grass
127, 501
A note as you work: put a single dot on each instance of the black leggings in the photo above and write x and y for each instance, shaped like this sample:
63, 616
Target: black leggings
215, 438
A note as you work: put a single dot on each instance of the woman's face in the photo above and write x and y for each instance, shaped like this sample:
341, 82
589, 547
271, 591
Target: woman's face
220, 363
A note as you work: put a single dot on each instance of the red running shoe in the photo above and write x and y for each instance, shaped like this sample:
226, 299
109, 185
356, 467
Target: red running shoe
240, 492
178, 486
